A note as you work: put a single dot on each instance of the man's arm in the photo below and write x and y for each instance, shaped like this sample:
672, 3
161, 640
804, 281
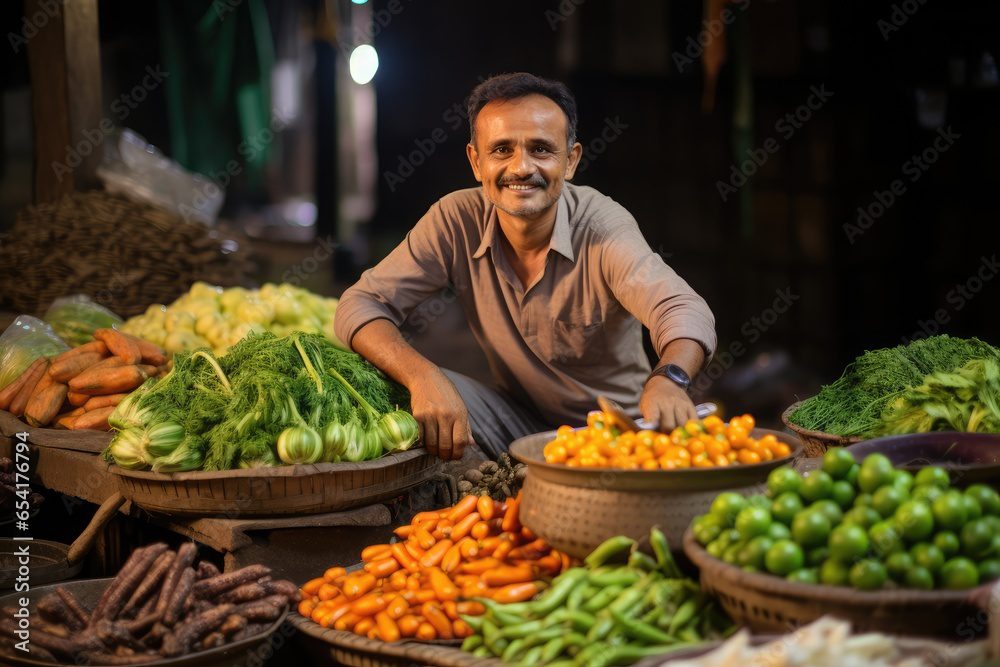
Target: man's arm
664, 402
436, 404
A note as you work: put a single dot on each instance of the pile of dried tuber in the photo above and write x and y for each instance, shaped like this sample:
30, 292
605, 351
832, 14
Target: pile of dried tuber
497, 479
159, 606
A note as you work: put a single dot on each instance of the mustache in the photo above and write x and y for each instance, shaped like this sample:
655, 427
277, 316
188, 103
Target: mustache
535, 180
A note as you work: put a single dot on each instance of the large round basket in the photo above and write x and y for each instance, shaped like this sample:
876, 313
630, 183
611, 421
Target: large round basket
575, 509
766, 603
277, 491
347, 648
815, 442
89, 591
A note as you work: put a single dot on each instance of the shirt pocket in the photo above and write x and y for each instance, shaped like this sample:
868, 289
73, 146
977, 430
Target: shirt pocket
576, 344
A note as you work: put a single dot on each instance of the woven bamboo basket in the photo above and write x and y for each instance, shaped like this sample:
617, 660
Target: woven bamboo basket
277, 491
576, 509
769, 604
816, 442
350, 649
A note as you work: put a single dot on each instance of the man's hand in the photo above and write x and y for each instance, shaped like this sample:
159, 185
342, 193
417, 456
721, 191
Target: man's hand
666, 404
441, 413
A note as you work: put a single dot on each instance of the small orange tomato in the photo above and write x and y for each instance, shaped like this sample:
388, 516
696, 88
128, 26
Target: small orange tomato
693, 427
731, 455
650, 464
565, 431
713, 424
720, 460
668, 463
748, 456
714, 449
661, 443
645, 438
782, 450
768, 440
737, 435
748, 422
696, 447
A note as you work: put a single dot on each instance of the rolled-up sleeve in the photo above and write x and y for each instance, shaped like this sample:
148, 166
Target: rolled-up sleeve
413, 271
652, 291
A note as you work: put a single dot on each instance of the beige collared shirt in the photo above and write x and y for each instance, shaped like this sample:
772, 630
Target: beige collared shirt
575, 333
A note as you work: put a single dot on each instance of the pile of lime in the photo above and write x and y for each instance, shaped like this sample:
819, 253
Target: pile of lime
866, 525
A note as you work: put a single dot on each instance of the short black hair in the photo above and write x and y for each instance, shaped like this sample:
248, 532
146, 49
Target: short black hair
521, 84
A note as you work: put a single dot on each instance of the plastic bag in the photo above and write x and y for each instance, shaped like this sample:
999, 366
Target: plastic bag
27, 339
75, 318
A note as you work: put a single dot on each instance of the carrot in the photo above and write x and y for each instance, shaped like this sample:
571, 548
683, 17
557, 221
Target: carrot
66, 421
95, 419
312, 586
397, 580
120, 345
15, 386
443, 587
387, 628
424, 539
452, 559
408, 625
505, 575
19, 402
358, 585
382, 568
369, 605
96, 381
363, 626
443, 529
437, 618
332, 573
414, 550
486, 507
94, 402
403, 557
450, 609
434, 555
404, 531
480, 566
76, 399
463, 508
44, 405
62, 369
481, 530
426, 632
347, 621
469, 548
461, 629
328, 592
336, 614
151, 353
516, 592
375, 552
397, 608
511, 523
470, 608
464, 527
426, 516
306, 607
551, 563
93, 346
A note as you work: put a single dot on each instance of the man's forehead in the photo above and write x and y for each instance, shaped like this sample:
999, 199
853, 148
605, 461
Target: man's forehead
530, 113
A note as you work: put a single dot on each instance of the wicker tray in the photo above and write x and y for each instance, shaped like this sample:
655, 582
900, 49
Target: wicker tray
766, 603
350, 649
816, 442
88, 591
576, 509
277, 491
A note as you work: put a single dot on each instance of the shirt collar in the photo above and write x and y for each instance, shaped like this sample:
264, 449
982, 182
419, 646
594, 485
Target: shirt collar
561, 241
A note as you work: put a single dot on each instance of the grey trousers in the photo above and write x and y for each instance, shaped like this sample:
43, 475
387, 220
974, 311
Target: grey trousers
496, 419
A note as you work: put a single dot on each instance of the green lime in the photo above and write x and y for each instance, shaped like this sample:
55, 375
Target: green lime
852, 475
732, 553
727, 505
863, 500
816, 486
716, 548
759, 500
848, 543
885, 538
753, 552
989, 569
837, 462
807, 575
927, 555
915, 520
868, 575
887, 500
973, 510
902, 479
926, 493
783, 480
834, 573
933, 476
778, 531
977, 539
786, 506
959, 573
843, 494
811, 528
706, 528
830, 509
988, 499
753, 521
784, 557
949, 510
876, 470
866, 517
898, 564
816, 556
919, 577
948, 543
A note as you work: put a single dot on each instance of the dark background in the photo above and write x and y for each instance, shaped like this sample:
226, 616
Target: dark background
788, 233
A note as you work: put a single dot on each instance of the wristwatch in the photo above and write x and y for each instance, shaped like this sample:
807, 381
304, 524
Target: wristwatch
674, 373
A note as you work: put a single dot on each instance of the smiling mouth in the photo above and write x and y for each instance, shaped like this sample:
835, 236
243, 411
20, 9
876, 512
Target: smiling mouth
520, 188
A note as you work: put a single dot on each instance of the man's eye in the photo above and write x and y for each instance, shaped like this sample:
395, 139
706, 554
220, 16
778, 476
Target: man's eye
501, 149
541, 149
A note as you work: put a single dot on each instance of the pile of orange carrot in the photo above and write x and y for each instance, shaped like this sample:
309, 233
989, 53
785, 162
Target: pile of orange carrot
80, 388
420, 585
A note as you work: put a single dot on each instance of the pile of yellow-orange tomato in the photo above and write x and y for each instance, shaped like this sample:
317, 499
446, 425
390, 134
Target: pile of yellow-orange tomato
703, 443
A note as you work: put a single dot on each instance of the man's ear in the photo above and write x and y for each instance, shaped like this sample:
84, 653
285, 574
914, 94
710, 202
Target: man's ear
573, 160
473, 155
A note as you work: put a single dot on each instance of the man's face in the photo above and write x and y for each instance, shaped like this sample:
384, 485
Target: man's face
520, 154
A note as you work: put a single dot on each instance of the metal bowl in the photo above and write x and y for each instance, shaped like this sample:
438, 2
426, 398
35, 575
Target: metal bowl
969, 457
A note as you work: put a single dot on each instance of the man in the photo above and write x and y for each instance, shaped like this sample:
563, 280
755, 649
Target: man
555, 280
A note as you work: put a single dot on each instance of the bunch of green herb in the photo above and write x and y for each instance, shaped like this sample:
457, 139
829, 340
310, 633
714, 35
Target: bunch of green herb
853, 405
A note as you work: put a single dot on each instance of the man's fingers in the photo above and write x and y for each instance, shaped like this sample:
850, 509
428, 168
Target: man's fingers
445, 444
652, 415
461, 438
429, 435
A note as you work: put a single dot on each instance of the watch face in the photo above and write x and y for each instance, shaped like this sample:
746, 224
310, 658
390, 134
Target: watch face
677, 374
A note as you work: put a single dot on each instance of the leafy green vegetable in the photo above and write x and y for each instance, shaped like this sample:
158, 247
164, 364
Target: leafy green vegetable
75, 319
853, 405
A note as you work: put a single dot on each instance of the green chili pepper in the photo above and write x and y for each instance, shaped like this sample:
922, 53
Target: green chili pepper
636, 629
523, 630
562, 586
532, 657
500, 614
627, 654
652, 616
602, 627
513, 651
553, 648
590, 653
619, 576
602, 599
539, 638
628, 599
490, 634
615, 546
561, 663
684, 614
581, 592
664, 558
474, 622
642, 561
483, 652
472, 642
581, 620
689, 634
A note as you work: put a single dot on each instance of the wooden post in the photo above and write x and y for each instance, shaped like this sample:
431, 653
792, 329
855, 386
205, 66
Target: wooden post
64, 60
